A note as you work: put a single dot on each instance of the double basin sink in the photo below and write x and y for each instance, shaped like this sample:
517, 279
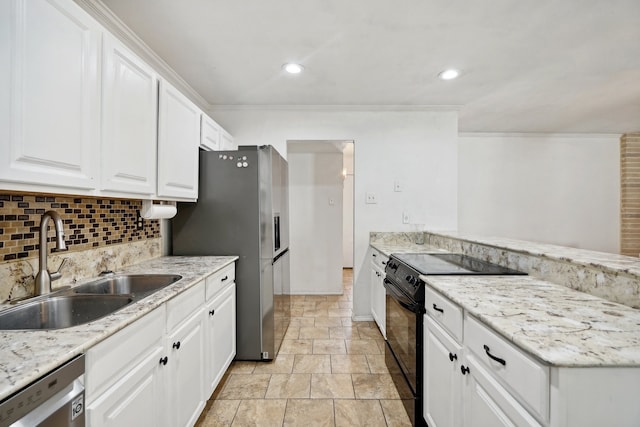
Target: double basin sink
84, 303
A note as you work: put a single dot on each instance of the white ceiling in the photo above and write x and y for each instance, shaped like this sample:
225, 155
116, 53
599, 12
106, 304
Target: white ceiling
527, 65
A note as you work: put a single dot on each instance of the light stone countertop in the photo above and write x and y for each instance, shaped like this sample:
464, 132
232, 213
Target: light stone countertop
614, 262
555, 324
388, 248
27, 355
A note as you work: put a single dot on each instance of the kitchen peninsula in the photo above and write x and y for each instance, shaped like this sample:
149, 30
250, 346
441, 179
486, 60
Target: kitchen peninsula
559, 347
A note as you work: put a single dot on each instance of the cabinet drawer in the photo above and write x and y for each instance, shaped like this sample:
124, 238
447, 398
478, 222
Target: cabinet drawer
444, 312
527, 378
488, 403
111, 359
217, 281
184, 305
379, 259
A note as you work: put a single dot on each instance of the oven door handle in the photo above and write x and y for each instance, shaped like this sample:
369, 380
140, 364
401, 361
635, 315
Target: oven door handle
397, 295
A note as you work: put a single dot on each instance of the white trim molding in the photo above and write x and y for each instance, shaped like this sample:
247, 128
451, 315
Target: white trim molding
119, 29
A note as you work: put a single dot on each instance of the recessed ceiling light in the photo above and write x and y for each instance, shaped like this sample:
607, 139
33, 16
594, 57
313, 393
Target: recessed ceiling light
449, 74
292, 68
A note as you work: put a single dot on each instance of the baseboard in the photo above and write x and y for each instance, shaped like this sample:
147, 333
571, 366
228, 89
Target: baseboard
362, 318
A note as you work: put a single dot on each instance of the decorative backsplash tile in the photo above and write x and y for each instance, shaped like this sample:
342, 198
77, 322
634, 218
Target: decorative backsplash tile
89, 223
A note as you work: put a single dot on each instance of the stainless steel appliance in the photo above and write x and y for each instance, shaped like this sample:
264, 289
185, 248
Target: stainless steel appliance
55, 400
243, 209
405, 301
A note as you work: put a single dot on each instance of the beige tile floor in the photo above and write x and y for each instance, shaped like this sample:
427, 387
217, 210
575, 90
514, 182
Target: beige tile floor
330, 371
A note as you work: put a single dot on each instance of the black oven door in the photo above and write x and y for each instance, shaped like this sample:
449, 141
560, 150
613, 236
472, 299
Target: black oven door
404, 353
402, 333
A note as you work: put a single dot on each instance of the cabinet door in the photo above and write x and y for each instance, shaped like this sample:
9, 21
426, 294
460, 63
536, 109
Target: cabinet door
487, 403
178, 141
50, 94
442, 377
185, 352
227, 142
210, 134
378, 300
129, 117
135, 400
221, 336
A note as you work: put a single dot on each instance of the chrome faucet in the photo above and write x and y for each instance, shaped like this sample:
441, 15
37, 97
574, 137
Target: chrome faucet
44, 278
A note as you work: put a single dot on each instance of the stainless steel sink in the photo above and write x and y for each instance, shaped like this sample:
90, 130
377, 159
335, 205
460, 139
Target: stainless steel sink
56, 312
137, 284
83, 303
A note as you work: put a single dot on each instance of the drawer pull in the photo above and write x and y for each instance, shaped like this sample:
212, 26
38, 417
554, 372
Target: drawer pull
384, 263
464, 369
374, 255
176, 345
436, 308
164, 360
497, 359
212, 312
224, 278
453, 357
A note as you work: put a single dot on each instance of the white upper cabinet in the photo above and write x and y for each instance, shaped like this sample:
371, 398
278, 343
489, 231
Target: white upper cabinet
227, 142
210, 134
178, 141
129, 121
49, 105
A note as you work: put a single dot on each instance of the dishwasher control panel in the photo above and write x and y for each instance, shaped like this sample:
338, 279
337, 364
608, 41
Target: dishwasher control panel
24, 402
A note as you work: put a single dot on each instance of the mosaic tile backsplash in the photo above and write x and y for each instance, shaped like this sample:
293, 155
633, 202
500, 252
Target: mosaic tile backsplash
89, 223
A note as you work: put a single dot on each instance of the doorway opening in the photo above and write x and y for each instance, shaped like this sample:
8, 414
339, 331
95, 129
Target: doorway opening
321, 211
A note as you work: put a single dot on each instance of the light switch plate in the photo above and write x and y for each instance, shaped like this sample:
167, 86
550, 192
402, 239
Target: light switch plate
405, 217
397, 186
371, 199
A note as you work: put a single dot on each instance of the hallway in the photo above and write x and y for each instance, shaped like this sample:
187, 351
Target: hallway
330, 371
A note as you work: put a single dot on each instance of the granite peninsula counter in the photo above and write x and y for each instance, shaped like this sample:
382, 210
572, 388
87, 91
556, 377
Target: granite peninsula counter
557, 325
566, 313
27, 355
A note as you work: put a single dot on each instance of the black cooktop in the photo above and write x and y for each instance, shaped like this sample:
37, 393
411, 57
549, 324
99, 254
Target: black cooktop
452, 264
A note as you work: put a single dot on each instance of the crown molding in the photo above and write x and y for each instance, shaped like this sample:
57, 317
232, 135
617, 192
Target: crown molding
367, 108
119, 29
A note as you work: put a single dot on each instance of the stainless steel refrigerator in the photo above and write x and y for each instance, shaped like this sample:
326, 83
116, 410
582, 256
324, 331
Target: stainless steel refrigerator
243, 209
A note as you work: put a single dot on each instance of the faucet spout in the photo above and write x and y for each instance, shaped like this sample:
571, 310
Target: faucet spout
44, 278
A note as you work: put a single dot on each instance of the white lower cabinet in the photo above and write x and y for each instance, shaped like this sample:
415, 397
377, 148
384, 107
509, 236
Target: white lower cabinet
124, 380
487, 403
185, 353
442, 377
133, 400
473, 377
378, 294
220, 345
160, 370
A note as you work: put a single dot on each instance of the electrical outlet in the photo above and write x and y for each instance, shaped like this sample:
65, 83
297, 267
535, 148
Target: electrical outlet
405, 217
139, 222
371, 199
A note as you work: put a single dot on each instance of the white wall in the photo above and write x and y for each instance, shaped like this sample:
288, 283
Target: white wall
555, 189
347, 208
315, 225
417, 147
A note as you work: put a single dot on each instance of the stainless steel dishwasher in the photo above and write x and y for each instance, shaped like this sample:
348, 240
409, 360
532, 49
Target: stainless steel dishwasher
55, 400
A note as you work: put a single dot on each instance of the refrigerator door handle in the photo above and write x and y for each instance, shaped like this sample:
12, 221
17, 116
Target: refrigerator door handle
276, 232
280, 255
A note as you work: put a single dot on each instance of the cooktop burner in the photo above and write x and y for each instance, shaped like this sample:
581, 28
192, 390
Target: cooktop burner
452, 264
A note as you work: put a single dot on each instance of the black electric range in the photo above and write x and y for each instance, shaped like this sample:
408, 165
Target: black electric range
405, 298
